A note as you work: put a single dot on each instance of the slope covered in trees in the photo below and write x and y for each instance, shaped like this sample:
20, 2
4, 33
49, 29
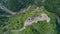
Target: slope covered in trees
53, 6
42, 27
11, 24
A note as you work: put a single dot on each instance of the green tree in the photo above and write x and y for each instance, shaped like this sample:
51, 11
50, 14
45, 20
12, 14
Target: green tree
53, 6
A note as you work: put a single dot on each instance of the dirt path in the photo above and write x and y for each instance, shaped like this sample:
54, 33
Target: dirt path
11, 12
6, 9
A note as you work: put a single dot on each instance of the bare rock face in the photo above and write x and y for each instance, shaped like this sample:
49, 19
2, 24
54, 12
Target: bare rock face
43, 17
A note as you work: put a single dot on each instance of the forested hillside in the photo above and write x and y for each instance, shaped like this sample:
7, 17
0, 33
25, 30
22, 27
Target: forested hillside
29, 16
53, 6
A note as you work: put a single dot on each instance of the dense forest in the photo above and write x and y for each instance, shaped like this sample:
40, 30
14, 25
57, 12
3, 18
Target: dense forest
14, 14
